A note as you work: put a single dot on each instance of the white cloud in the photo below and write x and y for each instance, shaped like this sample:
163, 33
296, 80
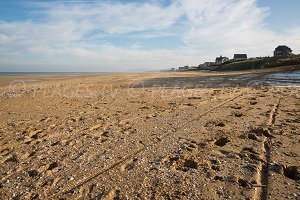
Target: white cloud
116, 18
3, 39
75, 34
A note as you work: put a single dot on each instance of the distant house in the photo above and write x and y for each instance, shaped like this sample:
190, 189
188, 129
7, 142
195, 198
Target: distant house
207, 64
283, 50
238, 57
193, 68
185, 68
181, 68
220, 60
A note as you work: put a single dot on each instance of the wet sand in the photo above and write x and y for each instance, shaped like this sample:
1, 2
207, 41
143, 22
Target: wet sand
33, 78
152, 136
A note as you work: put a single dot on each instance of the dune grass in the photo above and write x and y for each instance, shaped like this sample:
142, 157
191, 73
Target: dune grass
261, 63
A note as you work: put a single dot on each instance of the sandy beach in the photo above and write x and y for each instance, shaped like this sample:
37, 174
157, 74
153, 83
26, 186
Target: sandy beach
164, 135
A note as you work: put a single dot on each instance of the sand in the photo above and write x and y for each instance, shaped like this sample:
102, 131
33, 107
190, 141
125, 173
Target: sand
187, 135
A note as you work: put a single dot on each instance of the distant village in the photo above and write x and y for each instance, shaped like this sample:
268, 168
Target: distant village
220, 61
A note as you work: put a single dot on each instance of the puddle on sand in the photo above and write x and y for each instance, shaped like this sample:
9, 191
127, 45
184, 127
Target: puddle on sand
215, 78
242, 77
283, 79
51, 78
30, 80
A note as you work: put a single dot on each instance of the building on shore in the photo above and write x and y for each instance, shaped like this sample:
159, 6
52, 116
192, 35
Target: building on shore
188, 68
240, 57
193, 68
205, 66
220, 60
283, 50
185, 68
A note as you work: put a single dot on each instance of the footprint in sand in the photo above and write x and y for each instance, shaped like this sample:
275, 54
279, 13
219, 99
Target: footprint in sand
53, 165
12, 158
215, 165
292, 172
188, 146
217, 123
243, 183
189, 163
237, 114
222, 141
32, 172
182, 163
249, 152
259, 131
219, 178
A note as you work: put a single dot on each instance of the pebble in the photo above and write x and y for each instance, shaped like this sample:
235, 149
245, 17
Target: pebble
286, 183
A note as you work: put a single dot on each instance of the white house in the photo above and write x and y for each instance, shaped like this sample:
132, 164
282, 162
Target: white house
220, 60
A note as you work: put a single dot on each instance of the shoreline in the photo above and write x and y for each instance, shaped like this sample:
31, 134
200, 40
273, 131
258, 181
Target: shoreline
58, 76
7, 79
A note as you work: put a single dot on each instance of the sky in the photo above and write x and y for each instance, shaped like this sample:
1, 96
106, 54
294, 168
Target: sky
129, 35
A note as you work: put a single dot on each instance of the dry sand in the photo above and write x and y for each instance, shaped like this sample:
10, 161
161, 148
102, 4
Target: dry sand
150, 136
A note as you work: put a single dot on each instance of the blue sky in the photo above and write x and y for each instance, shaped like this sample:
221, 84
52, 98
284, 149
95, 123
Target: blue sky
283, 14
91, 35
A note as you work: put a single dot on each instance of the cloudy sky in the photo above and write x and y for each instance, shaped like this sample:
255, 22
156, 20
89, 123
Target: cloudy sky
123, 35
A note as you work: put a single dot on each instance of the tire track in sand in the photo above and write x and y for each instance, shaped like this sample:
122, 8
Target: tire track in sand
261, 192
96, 173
